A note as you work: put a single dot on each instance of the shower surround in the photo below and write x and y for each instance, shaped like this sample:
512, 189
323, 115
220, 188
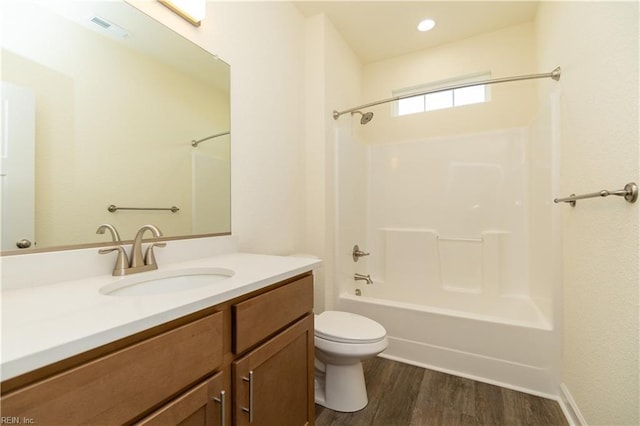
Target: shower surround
460, 231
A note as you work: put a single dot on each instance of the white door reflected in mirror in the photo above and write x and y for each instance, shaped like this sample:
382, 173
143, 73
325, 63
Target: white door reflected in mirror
17, 152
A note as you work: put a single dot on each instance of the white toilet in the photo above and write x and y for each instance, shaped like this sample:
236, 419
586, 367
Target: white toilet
342, 341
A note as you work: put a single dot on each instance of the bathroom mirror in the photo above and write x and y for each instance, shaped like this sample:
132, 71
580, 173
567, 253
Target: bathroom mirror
100, 105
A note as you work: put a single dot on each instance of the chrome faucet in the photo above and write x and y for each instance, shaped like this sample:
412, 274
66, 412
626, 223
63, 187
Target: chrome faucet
361, 277
138, 263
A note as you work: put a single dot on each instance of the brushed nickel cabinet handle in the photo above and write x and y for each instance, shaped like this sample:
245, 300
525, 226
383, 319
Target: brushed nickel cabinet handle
222, 403
250, 409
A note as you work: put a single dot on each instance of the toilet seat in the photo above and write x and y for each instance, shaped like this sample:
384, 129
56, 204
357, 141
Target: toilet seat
345, 327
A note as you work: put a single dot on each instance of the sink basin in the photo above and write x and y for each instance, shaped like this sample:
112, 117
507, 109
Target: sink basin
161, 282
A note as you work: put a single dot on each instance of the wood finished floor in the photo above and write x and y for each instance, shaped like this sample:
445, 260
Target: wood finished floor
403, 395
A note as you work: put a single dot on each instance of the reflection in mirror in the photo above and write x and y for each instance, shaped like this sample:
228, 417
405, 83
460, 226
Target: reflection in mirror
100, 105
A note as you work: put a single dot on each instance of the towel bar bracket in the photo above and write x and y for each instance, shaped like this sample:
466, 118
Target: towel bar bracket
632, 192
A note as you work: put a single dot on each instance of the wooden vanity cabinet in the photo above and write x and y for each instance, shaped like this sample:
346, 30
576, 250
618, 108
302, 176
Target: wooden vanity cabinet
208, 404
119, 387
198, 370
272, 383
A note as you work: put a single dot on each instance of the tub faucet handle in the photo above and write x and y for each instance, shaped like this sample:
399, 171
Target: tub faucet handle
357, 253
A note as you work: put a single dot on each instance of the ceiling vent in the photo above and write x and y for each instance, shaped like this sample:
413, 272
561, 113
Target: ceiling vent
109, 27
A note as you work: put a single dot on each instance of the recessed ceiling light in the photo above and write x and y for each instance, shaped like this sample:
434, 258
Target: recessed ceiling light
426, 25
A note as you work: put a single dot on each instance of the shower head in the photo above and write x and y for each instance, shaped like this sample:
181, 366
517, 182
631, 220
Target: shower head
366, 116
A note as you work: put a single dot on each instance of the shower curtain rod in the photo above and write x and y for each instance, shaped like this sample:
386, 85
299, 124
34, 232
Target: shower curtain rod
555, 74
197, 142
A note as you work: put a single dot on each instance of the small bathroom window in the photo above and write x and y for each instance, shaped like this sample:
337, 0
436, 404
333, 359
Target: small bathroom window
440, 100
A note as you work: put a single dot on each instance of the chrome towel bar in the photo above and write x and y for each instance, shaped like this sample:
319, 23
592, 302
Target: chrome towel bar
630, 194
113, 208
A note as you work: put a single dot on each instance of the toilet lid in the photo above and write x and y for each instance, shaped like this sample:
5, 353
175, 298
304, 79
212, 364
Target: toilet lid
348, 328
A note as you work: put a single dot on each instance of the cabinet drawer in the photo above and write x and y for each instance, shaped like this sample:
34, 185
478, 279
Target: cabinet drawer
118, 387
261, 316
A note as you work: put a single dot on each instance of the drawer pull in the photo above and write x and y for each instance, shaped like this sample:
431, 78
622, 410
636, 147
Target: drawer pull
222, 403
250, 409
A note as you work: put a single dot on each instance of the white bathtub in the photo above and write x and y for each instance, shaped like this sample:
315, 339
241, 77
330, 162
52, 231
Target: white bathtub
464, 249
510, 344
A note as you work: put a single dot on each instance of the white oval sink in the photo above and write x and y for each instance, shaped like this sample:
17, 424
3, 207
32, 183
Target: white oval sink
161, 282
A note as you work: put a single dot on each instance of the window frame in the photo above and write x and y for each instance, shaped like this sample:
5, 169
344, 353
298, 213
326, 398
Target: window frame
469, 78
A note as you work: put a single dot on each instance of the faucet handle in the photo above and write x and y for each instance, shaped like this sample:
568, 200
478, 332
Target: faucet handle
122, 261
149, 256
357, 253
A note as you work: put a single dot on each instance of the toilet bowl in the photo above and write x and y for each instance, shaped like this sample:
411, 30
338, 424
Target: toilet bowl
342, 341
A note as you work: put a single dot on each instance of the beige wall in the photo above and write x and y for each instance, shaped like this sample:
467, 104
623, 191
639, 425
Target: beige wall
504, 53
333, 80
344, 90
284, 86
264, 44
596, 43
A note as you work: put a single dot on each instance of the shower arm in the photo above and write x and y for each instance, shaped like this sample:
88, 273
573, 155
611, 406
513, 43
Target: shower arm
555, 74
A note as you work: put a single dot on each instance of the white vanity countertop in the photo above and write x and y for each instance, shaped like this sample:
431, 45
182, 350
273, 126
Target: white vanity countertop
42, 325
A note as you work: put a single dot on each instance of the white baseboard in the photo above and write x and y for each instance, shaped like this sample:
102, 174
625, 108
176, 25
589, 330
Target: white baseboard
520, 377
570, 408
471, 377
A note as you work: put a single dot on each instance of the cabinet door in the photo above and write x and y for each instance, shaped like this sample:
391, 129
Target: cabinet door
206, 404
273, 384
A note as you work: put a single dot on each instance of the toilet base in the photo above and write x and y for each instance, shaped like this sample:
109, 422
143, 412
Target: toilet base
344, 385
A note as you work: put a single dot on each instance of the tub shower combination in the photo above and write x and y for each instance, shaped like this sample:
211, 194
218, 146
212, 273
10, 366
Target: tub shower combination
460, 231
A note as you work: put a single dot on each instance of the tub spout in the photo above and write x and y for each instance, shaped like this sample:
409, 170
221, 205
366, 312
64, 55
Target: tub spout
361, 277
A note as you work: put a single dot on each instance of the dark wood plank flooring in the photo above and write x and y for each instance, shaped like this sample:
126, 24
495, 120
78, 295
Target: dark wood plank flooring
405, 395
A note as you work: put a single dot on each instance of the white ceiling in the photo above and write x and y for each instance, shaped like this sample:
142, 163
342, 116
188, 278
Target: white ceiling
378, 30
